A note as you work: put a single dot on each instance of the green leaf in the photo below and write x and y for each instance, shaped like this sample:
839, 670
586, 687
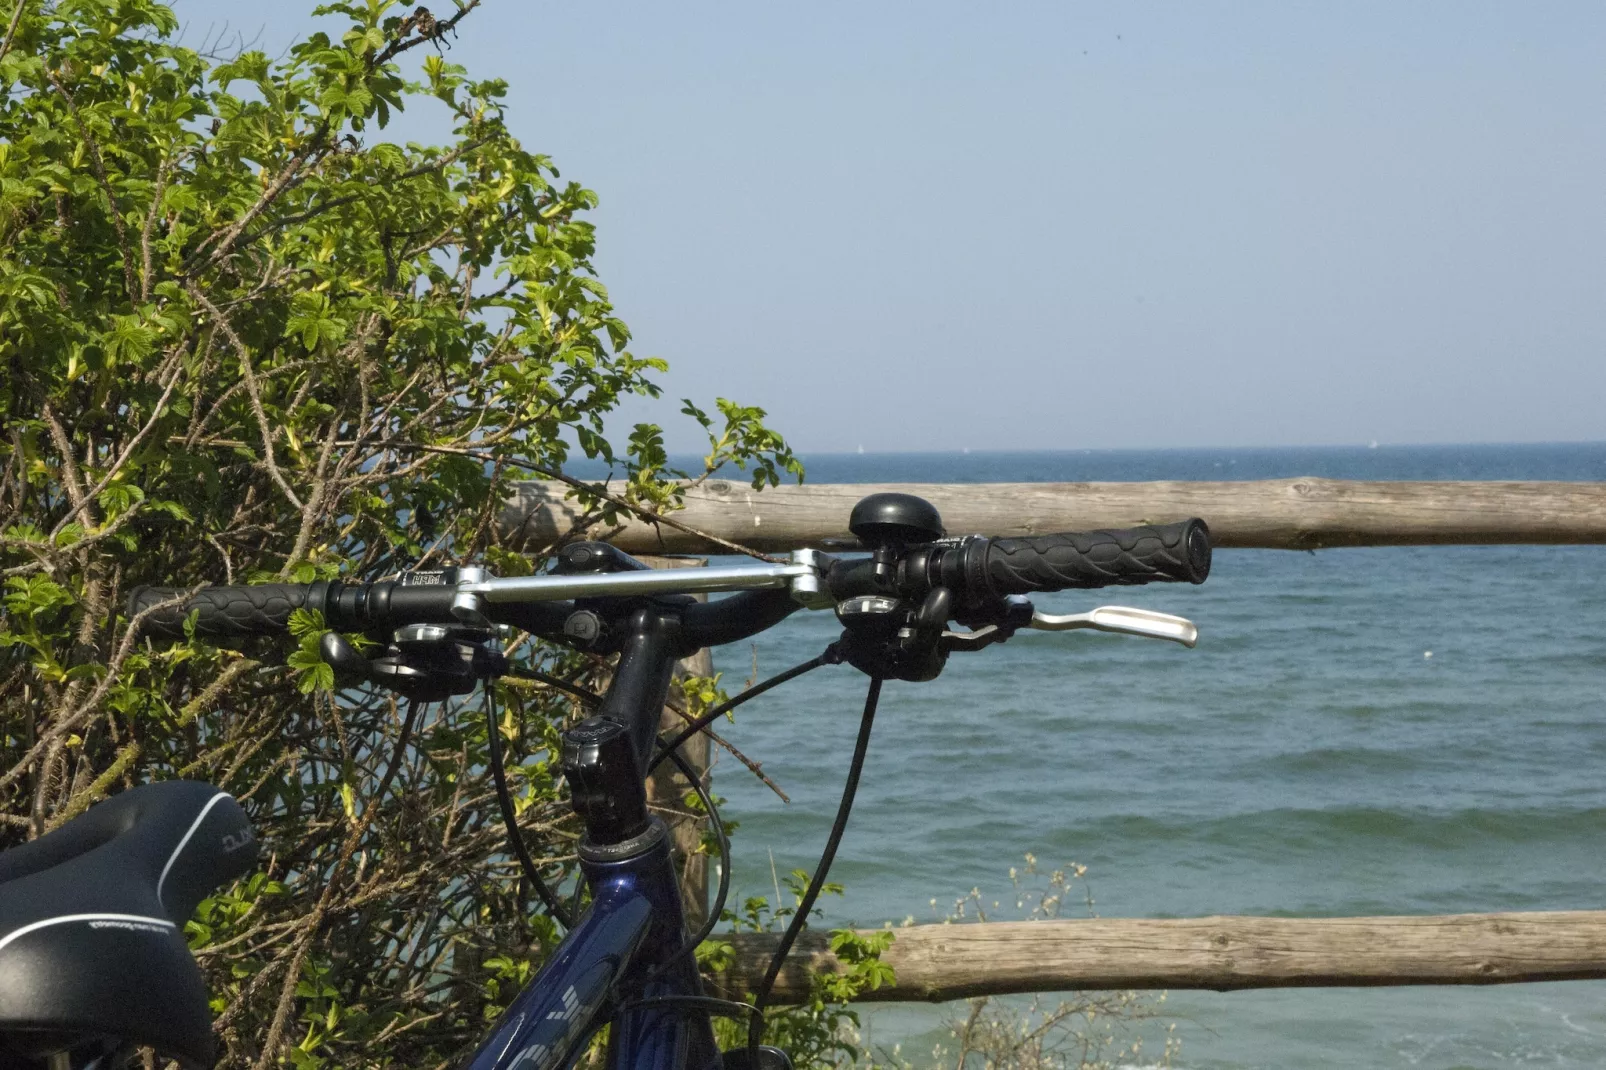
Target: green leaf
306, 623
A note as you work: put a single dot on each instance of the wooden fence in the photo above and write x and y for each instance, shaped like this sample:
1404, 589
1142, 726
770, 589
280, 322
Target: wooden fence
953, 961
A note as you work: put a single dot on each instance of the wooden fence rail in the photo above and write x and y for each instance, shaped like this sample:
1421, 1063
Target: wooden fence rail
943, 962
1285, 514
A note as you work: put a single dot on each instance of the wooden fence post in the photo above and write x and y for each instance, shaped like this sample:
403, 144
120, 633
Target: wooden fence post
665, 791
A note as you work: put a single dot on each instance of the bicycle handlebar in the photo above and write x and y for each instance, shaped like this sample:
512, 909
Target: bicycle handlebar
978, 570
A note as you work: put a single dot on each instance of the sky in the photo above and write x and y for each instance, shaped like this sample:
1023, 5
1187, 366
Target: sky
1027, 225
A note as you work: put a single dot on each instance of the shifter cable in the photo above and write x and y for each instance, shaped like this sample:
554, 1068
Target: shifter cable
755, 1032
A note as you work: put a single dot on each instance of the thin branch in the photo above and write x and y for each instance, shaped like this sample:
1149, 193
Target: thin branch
251, 388
757, 768
439, 164
98, 166
227, 239
193, 436
437, 30
128, 450
69, 465
649, 515
162, 174
11, 30
70, 721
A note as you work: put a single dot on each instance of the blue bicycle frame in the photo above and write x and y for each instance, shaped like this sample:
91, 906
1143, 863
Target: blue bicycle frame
635, 923
628, 946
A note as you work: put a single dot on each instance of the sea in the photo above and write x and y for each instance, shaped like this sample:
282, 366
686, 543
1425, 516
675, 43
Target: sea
1402, 730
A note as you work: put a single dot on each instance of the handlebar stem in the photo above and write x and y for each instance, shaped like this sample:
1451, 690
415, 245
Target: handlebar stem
635, 699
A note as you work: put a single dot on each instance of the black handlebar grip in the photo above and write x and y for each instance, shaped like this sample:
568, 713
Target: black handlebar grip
1174, 553
225, 612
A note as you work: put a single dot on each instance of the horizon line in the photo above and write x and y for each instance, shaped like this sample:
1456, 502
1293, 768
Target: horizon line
1369, 445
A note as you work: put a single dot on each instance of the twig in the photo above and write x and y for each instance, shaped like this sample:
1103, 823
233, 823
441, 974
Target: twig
649, 515
194, 435
11, 30
71, 720
98, 166
440, 29
444, 161
162, 174
251, 388
757, 768
77, 804
128, 450
69, 464
227, 239
315, 503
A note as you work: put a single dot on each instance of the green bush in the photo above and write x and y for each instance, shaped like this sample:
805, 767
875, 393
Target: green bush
244, 337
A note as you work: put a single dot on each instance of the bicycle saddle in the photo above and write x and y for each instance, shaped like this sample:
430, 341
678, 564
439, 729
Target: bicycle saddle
92, 948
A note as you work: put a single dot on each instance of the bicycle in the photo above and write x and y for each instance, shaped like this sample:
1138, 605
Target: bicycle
116, 884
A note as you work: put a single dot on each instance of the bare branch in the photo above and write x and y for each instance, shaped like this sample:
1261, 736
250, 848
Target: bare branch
650, 515
70, 475
128, 451
439, 164
227, 239
431, 31
146, 275
11, 30
249, 373
98, 166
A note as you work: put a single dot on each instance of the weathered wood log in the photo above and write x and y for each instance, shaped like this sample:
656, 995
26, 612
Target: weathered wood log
942, 962
1288, 514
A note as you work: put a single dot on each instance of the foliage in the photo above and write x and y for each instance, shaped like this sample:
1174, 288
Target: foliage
243, 337
823, 1031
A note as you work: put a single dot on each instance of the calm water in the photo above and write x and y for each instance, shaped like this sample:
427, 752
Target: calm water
1308, 758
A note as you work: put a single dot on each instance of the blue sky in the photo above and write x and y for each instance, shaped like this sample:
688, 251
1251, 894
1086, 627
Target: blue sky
1044, 225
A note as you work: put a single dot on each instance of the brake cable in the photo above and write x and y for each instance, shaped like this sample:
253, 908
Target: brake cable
510, 818
755, 1032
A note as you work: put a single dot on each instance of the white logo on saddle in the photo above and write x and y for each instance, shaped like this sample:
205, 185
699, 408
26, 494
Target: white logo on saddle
234, 841
127, 922
138, 926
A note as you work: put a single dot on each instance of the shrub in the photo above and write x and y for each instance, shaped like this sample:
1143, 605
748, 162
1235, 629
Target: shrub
244, 337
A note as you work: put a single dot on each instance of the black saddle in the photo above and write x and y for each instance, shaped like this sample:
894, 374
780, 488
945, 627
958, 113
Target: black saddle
92, 949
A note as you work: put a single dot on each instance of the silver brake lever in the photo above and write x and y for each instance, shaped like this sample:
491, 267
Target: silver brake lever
1122, 619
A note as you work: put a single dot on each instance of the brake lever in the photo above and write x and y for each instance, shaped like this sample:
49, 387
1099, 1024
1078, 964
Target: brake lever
1123, 620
